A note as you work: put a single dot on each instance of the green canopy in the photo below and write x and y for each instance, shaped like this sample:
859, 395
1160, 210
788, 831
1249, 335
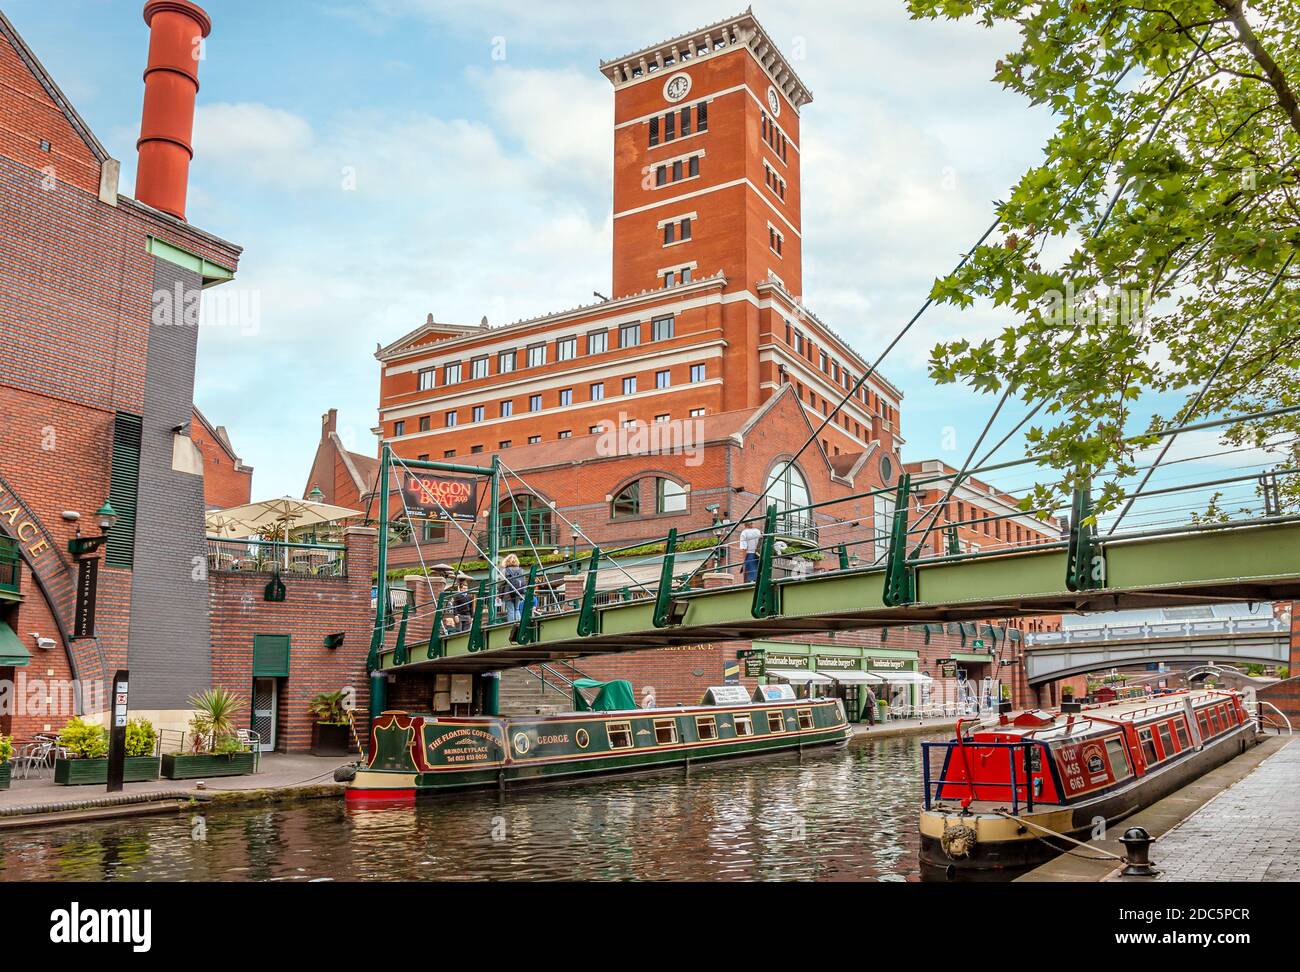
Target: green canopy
12, 651
612, 697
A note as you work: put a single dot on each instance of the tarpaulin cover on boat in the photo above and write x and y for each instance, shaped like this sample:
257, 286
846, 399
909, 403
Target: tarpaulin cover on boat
613, 696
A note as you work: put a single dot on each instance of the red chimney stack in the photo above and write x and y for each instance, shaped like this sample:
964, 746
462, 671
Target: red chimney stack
171, 83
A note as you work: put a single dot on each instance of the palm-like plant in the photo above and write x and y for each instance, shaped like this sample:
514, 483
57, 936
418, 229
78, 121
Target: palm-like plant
214, 718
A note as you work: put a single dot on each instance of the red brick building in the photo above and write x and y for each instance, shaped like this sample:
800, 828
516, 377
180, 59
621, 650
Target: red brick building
99, 307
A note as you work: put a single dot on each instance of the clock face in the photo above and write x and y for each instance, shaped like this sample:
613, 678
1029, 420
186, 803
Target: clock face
773, 101
677, 87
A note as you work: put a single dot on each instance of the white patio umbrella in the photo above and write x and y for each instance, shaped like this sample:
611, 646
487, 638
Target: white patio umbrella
276, 515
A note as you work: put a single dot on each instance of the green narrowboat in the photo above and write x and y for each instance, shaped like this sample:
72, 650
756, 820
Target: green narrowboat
410, 754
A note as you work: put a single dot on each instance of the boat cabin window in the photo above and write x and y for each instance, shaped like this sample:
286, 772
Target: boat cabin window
620, 735
1184, 740
1166, 740
706, 727
776, 721
805, 718
665, 731
1118, 755
1148, 747
1214, 721
1203, 721
744, 725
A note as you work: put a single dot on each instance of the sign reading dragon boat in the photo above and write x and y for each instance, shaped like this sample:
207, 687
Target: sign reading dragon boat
440, 497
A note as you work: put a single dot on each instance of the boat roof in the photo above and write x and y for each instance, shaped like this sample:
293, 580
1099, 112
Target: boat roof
1102, 716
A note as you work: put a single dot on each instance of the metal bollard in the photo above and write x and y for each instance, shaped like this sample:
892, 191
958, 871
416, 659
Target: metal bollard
1137, 853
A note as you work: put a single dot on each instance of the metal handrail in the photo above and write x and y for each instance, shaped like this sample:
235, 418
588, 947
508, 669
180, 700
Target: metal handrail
1024, 747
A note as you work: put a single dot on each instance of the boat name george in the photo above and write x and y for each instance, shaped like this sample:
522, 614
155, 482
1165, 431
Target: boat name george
545, 740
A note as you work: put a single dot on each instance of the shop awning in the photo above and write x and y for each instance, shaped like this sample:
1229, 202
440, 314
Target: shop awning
900, 678
13, 653
791, 675
853, 677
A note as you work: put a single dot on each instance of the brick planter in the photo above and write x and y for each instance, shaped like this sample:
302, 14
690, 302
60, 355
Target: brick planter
6, 770
81, 772
177, 766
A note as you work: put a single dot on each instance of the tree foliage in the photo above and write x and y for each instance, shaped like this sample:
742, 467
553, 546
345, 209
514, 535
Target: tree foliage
1167, 200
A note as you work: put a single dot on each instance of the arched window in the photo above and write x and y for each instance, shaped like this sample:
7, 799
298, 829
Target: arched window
627, 503
670, 497
787, 488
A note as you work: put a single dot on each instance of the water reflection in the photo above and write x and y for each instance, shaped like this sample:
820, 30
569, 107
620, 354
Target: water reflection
838, 815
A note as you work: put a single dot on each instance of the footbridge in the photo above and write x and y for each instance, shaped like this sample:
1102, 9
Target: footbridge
1059, 654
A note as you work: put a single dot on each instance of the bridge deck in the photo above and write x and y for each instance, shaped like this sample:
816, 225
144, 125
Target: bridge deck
1256, 562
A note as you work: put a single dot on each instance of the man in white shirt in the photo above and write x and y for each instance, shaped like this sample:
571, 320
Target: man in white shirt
749, 538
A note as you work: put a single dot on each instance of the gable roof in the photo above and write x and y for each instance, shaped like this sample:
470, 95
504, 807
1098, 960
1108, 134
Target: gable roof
56, 95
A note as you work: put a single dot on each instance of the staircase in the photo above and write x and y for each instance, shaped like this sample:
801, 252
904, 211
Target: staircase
539, 690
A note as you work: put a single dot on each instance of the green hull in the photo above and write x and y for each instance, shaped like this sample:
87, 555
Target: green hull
414, 754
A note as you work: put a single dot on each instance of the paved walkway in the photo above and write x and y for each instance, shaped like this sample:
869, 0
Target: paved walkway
902, 727
1249, 832
279, 773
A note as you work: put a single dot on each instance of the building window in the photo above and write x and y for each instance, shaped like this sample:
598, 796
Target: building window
478, 413
506, 362
670, 233
566, 397
424, 457
661, 328
670, 497
702, 117
694, 166
566, 349
534, 403
670, 127
597, 342
697, 413
663, 379
507, 409
534, 439
503, 444
399, 428
685, 229
629, 385
788, 490
595, 429
697, 372
566, 434
629, 335
677, 171
452, 375
597, 391
432, 529
662, 419
661, 176
654, 131
777, 242
536, 355
450, 420
424, 423
627, 503
475, 450
427, 378
479, 367
684, 121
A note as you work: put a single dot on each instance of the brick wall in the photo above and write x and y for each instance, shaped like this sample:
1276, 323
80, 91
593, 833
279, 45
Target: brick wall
313, 608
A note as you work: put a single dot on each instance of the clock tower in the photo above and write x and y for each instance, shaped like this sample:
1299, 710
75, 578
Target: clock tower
707, 161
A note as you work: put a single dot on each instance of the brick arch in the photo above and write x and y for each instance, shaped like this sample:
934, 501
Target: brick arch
645, 474
54, 577
779, 462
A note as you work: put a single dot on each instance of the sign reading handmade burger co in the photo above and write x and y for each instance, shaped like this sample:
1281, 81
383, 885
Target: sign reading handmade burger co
890, 663
440, 497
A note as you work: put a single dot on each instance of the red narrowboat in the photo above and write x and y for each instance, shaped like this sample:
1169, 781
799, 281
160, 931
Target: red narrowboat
999, 794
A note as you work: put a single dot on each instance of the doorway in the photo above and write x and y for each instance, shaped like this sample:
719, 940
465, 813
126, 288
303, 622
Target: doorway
266, 692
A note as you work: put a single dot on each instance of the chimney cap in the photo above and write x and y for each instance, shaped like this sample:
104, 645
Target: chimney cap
191, 10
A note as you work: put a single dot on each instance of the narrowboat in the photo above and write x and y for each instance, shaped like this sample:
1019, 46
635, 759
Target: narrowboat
998, 795
411, 754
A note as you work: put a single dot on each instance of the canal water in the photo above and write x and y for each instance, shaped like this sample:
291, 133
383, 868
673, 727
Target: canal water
846, 814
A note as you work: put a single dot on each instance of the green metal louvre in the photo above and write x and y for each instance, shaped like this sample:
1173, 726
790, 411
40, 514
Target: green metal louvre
270, 656
124, 489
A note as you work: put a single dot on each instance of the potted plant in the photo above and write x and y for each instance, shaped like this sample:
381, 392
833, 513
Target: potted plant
214, 749
332, 733
86, 745
6, 754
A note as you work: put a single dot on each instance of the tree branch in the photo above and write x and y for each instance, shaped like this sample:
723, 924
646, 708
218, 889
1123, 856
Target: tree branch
1285, 96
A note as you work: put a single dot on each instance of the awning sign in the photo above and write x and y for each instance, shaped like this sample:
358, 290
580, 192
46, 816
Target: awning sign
440, 497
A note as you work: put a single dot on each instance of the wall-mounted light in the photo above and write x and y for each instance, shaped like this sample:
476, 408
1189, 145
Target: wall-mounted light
106, 517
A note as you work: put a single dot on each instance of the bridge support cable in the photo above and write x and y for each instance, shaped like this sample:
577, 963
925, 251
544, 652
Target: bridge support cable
1190, 409
853, 391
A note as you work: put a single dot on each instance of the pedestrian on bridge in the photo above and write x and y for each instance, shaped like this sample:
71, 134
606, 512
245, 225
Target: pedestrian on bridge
512, 587
749, 538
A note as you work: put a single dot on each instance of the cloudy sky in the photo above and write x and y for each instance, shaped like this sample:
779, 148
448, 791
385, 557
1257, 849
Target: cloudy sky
380, 160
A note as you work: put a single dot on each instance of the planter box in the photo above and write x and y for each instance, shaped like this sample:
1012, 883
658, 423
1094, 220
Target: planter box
329, 740
6, 770
81, 772
176, 766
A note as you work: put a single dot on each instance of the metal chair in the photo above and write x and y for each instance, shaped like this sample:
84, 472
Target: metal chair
251, 740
